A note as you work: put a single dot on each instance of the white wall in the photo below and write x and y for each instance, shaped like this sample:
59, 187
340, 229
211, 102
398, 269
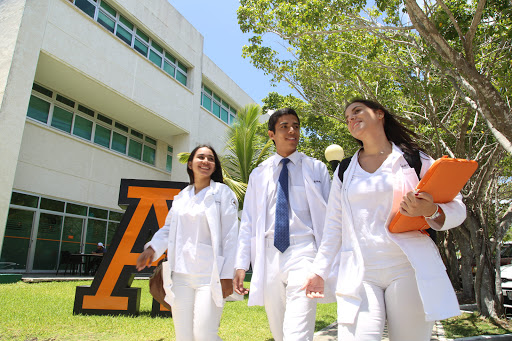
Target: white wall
19, 49
60, 165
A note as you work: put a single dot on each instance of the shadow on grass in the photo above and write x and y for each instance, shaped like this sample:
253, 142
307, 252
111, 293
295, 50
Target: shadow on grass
474, 325
324, 322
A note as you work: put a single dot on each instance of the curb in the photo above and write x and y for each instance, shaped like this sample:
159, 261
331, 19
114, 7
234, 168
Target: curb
438, 334
485, 337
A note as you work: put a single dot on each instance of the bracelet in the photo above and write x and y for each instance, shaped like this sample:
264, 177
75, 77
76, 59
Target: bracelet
435, 215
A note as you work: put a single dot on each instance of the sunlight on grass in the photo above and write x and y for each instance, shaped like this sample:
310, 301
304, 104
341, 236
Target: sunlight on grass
44, 311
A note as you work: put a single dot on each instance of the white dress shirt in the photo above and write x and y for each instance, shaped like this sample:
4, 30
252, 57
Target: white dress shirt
299, 214
370, 196
193, 252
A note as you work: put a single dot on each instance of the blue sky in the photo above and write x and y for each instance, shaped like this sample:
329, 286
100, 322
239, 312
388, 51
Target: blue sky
223, 41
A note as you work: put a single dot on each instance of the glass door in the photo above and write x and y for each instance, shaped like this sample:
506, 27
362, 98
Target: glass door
72, 235
96, 232
49, 231
15, 249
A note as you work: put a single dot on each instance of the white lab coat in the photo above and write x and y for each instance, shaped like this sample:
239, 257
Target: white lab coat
251, 240
222, 215
436, 291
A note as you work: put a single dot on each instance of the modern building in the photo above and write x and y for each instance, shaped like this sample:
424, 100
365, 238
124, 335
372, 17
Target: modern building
93, 91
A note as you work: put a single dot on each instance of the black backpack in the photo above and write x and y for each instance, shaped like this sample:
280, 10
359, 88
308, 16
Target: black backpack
414, 161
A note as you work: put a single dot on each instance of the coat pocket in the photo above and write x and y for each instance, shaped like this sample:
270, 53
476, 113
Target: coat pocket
167, 282
424, 257
220, 263
349, 274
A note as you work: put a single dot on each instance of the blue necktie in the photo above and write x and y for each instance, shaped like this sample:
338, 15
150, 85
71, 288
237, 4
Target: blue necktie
282, 232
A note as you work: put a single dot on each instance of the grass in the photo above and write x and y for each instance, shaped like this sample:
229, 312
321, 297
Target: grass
471, 324
44, 311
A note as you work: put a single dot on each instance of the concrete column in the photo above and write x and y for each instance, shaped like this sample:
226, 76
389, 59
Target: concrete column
181, 143
22, 23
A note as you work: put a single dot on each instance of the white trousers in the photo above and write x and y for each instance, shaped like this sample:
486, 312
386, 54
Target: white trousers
391, 294
291, 315
195, 315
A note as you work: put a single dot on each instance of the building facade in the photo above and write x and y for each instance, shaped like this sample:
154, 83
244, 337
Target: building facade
91, 92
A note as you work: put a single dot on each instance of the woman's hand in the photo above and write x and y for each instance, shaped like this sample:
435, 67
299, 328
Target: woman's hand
417, 204
238, 282
227, 287
145, 259
314, 286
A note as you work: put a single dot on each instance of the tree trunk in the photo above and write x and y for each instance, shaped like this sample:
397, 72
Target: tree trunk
449, 255
467, 260
485, 293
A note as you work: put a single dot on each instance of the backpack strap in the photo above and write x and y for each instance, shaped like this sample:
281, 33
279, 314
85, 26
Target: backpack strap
343, 167
414, 161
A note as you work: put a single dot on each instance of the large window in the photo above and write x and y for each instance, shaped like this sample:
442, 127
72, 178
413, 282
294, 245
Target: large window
57, 111
168, 164
61, 226
217, 106
120, 26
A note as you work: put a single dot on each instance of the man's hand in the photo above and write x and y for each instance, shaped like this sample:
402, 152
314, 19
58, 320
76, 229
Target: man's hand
314, 286
238, 282
145, 259
227, 287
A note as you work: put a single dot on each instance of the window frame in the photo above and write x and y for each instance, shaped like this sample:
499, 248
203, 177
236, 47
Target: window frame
181, 74
216, 99
145, 140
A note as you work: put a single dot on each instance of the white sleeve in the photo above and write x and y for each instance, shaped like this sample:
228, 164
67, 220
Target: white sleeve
229, 230
331, 239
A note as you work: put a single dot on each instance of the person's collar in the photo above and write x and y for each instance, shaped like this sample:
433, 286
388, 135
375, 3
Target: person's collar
294, 158
395, 148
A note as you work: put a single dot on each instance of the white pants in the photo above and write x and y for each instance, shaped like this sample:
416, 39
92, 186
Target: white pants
390, 293
195, 315
291, 315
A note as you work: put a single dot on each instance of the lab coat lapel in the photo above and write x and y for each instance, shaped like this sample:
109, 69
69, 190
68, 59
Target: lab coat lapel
313, 192
316, 201
258, 251
212, 202
212, 212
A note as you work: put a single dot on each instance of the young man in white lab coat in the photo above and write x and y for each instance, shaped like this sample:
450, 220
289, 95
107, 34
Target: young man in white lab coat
278, 274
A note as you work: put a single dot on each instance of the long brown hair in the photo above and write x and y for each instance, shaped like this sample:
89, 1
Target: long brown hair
395, 131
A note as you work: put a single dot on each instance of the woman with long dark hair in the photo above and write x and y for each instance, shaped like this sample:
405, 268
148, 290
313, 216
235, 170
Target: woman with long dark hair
394, 277
200, 235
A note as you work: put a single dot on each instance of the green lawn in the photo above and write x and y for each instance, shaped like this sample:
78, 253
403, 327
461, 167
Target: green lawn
44, 311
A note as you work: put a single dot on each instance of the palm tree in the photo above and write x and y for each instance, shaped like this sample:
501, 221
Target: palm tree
245, 150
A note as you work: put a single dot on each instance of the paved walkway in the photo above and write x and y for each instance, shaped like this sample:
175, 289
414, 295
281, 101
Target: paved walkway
330, 333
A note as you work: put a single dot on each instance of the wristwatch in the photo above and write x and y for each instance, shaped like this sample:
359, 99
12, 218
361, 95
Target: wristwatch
435, 215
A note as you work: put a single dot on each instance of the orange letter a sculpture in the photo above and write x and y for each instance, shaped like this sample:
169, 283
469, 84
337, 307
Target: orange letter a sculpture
110, 292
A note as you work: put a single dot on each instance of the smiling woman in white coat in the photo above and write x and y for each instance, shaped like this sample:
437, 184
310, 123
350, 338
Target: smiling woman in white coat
200, 235
398, 277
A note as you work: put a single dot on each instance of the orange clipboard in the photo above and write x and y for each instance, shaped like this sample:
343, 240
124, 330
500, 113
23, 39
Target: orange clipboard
444, 180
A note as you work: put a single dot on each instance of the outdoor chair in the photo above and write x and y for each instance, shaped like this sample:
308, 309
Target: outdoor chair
73, 262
